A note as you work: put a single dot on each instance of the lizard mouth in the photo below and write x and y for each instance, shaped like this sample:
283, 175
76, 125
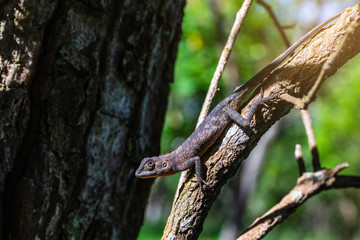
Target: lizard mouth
143, 177
140, 174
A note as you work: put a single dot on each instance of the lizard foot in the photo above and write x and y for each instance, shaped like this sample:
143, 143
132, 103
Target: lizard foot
200, 183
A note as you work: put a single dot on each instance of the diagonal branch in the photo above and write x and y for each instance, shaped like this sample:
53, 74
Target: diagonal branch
308, 185
222, 160
240, 16
271, 13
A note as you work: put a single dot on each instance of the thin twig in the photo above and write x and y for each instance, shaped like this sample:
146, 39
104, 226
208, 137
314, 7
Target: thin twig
308, 185
311, 139
276, 21
327, 65
305, 101
299, 159
304, 113
240, 16
253, 165
191, 209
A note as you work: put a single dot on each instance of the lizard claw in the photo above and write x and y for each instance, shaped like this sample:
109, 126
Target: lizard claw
200, 183
261, 92
278, 92
265, 104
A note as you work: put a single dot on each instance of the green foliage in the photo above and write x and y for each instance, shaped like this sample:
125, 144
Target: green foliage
334, 115
337, 121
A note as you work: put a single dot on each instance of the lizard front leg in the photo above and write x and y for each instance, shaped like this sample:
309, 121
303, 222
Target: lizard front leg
188, 164
245, 122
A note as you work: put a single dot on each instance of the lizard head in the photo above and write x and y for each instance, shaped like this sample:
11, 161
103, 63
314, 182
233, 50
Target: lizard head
151, 167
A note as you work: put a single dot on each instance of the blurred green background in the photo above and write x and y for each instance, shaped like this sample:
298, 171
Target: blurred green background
335, 114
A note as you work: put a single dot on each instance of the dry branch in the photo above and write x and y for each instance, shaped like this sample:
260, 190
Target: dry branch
240, 16
271, 13
222, 160
308, 185
305, 115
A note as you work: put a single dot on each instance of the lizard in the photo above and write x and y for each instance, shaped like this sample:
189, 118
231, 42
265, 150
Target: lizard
190, 151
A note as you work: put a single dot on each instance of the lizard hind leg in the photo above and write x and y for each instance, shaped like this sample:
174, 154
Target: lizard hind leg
260, 101
245, 122
236, 117
240, 120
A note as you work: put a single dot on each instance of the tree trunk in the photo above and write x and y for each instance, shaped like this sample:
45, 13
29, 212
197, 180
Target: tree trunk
83, 94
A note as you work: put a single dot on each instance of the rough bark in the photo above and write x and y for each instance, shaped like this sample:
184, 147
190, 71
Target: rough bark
82, 93
222, 160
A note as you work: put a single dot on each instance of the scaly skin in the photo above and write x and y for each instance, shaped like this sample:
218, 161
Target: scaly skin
189, 153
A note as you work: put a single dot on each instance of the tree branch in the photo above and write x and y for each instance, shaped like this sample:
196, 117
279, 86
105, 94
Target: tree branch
222, 160
305, 115
240, 16
271, 13
308, 185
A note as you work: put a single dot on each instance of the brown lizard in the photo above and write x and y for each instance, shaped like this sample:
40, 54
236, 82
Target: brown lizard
189, 153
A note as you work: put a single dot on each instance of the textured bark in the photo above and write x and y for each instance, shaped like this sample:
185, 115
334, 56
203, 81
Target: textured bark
83, 93
222, 160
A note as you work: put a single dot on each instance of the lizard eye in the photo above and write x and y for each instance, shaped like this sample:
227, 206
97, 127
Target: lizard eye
165, 164
150, 165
